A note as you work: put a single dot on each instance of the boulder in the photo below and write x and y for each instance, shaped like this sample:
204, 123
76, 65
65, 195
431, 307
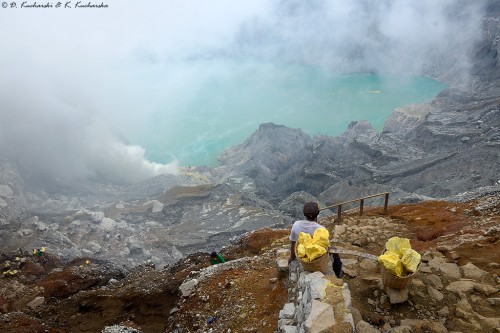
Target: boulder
368, 264
289, 329
288, 311
356, 315
3, 203
430, 327
364, 327
107, 223
94, 247
96, 217
450, 270
282, 256
155, 205
35, 303
436, 262
40, 226
485, 289
396, 296
320, 318
188, 287
434, 281
461, 286
435, 294
6, 192
444, 312
471, 271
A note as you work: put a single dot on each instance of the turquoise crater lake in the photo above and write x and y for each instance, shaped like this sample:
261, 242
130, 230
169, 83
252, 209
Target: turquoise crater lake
219, 104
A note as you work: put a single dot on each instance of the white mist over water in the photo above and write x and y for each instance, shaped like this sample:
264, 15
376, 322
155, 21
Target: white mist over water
231, 99
80, 89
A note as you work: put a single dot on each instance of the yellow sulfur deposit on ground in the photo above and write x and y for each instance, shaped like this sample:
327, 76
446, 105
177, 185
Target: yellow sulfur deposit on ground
400, 259
310, 248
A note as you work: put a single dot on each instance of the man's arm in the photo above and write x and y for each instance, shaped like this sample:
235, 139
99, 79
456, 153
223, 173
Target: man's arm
292, 252
221, 259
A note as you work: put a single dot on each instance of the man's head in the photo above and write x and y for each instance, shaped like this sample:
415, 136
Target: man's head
213, 254
311, 210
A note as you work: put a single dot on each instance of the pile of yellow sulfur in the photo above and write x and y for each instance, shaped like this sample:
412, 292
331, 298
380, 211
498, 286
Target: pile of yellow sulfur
310, 248
399, 258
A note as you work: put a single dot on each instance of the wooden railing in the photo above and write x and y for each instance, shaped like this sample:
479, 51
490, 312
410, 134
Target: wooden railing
361, 204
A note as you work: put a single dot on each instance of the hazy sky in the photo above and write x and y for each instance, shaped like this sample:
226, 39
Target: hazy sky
74, 82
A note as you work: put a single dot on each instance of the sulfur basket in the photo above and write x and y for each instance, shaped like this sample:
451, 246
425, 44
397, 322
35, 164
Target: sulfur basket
396, 282
321, 264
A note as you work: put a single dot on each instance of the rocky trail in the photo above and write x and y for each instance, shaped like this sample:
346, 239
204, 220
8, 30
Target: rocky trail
455, 290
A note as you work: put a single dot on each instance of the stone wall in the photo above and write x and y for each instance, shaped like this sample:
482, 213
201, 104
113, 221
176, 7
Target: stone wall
318, 302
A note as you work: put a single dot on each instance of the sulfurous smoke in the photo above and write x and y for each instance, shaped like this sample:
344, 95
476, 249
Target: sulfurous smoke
426, 37
77, 84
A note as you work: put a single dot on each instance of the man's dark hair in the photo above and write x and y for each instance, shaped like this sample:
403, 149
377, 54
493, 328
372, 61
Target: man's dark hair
311, 210
213, 254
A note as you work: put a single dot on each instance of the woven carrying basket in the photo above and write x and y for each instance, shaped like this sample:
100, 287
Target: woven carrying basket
320, 264
396, 282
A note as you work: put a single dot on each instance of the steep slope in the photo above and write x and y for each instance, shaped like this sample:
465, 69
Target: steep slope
246, 294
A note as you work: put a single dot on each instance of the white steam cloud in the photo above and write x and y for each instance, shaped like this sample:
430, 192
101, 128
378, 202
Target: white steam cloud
75, 82
404, 36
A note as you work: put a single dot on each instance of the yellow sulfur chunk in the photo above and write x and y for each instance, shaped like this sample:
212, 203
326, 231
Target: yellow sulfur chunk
315, 251
391, 261
398, 245
411, 259
320, 237
301, 251
304, 239
309, 248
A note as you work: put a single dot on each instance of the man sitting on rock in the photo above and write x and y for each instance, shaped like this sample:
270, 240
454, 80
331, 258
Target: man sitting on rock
311, 212
216, 258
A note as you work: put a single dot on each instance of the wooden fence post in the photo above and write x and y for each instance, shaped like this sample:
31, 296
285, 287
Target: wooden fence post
386, 203
361, 204
339, 212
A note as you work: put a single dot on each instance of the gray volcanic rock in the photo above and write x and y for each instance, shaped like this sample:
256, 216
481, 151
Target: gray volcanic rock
13, 203
294, 203
271, 156
436, 150
343, 191
191, 218
405, 119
